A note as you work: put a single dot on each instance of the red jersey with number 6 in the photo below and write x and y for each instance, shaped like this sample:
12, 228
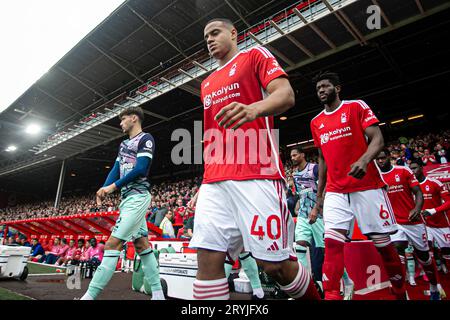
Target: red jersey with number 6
250, 152
434, 194
340, 135
400, 181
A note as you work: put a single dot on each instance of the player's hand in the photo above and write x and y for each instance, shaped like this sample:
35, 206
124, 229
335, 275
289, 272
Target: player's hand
358, 169
100, 196
414, 215
313, 215
110, 189
235, 114
426, 213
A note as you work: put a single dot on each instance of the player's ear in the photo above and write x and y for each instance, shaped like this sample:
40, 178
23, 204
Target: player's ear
338, 88
234, 34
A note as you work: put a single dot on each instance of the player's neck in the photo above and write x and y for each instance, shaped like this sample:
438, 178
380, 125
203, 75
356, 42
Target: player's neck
234, 51
421, 178
333, 105
302, 165
386, 168
135, 131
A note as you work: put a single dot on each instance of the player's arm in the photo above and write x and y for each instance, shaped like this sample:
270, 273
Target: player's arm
113, 175
139, 170
445, 206
143, 162
414, 214
376, 144
281, 98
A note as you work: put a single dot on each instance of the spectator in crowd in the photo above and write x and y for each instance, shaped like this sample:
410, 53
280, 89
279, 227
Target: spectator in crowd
441, 153
165, 194
179, 215
396, 158
188, 228
161, 213
80, 250
37, 251
64, 248
52, 255
94, 254
428, 158
407, 151
12, 241
69, 254
23, 241
166, 225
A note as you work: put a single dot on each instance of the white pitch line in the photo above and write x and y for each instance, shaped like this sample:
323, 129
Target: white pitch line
381, 286
47, 274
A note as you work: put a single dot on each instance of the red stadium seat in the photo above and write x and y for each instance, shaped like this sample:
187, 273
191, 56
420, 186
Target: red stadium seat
188, 250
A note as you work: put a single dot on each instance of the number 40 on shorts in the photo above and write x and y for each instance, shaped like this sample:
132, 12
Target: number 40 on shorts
260, 230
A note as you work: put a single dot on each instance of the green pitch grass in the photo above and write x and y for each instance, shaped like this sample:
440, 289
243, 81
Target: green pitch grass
40, 269
9, 295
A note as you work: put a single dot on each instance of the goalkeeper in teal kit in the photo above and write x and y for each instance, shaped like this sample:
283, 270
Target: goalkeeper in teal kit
129, 175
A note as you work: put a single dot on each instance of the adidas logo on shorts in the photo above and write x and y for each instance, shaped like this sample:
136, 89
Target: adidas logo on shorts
273, 247
386, 224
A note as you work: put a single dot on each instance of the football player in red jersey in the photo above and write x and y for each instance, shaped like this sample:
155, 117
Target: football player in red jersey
435, 208
348, 139
407, 199
241, 203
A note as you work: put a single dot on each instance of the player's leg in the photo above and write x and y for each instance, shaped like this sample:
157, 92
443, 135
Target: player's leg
267, 231
303, 237
348, 284
149, 267
417, 235
215, 228
228, 266
377, 221
318, 251
337, 220
410, 264
143, 249
251, 270
132, 211
400, 242
105, 271
441, 237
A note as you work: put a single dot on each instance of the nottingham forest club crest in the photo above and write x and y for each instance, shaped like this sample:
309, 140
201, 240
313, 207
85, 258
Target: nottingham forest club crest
397, 178
343, 117
427, 188
232, 70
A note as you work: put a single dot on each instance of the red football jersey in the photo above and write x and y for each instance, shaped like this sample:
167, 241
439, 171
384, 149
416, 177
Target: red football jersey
434, 193
340, 136
243, 79
400, 181
179, 215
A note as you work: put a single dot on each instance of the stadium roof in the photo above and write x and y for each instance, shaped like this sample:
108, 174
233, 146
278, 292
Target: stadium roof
152, 45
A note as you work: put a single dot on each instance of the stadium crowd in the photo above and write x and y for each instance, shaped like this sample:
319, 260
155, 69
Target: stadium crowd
169, 211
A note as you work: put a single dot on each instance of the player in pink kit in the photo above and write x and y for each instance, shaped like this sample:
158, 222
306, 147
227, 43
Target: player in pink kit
241, 203
348, 138
435, 209
402, 186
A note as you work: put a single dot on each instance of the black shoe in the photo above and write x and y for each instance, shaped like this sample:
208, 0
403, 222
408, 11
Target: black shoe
319, 290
